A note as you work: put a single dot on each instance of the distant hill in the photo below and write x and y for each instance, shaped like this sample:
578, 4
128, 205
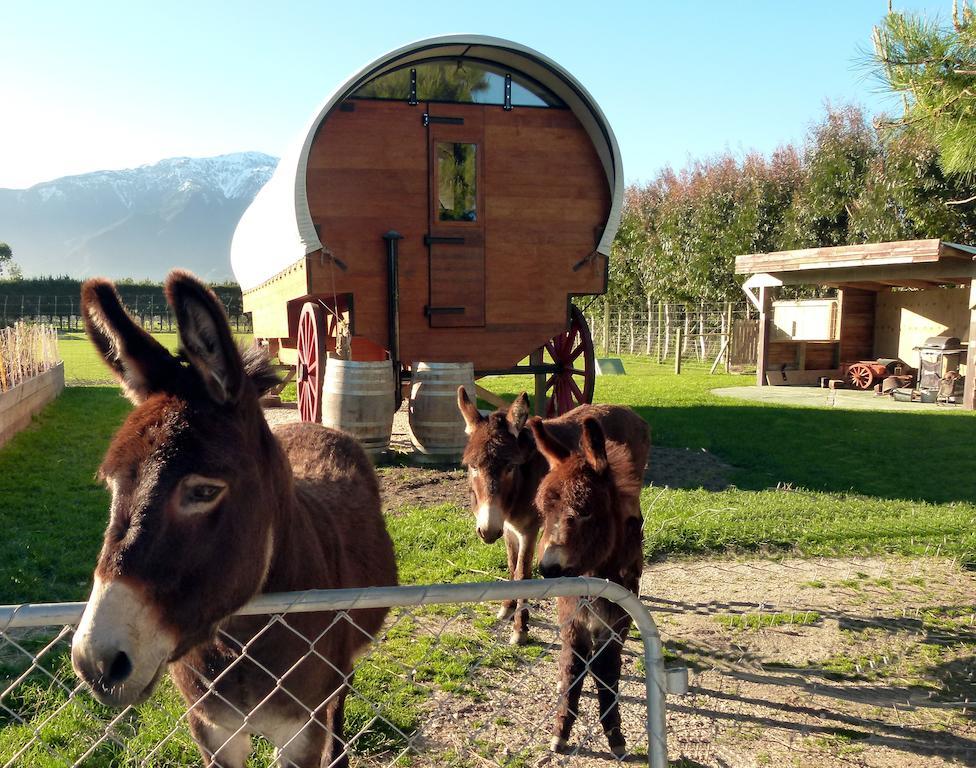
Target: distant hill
138, 223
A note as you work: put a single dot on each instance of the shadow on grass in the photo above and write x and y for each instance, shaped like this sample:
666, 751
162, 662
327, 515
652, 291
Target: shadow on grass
889, 455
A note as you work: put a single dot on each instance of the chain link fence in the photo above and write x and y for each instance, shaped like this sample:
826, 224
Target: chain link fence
820, 661
718, 334
438, 687
150, 311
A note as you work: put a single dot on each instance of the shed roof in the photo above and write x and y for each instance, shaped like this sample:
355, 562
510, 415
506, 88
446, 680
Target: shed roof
874, 266
277, 229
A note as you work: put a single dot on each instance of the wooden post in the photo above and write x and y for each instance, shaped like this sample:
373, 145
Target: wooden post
684, 336
606, 328
648, 353
765, 320
969, 393
631, 324
677, 350
539, 399
620, 323
667, 333
728, 340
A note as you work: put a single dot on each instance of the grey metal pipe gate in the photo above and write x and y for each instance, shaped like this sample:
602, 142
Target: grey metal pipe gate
656, 680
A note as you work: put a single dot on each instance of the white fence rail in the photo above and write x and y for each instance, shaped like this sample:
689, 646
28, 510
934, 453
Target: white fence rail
437, 687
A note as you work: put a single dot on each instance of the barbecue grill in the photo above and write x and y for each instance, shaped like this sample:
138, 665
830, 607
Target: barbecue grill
937, 357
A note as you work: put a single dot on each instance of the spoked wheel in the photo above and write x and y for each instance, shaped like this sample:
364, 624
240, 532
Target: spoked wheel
311, 361
572, 352
860, 376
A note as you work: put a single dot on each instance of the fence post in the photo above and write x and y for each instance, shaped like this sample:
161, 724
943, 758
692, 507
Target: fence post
728, 338
620, 322
677, 350
606, 328
631, 333
648, 353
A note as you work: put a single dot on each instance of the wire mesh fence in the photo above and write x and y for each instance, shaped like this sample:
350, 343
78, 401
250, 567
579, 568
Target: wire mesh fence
719, 333
438, 686
26, 350
820, 661
150, 311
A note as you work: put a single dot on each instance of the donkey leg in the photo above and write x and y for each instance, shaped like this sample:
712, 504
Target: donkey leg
526, 542
303, 749
220, 747
336, 749
605, 669
507, 609
572, 666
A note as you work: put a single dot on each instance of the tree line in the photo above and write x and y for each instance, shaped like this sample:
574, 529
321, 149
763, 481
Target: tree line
851, 181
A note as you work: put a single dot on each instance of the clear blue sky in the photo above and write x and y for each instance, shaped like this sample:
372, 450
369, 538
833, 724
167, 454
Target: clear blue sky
107, 84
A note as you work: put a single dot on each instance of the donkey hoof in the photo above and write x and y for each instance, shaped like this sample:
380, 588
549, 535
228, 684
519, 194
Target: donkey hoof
619, 749
558, 744
518, 637
506, 611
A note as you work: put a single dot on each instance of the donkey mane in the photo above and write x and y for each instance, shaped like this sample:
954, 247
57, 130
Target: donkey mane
258, 368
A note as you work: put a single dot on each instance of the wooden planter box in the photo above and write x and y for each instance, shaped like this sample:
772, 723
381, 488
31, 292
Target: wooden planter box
18, 405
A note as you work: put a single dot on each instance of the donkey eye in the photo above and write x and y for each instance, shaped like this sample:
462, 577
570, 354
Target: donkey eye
204, 492
200, 494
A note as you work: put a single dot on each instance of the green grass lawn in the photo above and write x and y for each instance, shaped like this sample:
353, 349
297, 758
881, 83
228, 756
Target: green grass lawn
805, 480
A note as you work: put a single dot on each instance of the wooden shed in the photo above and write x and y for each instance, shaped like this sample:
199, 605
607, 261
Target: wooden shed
877, 317
446, 202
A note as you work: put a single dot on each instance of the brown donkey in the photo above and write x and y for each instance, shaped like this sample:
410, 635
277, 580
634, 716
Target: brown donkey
587, 503
505, 469
209, 509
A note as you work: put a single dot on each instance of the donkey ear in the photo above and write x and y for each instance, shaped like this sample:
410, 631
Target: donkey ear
548, 445
205, 336
594, 445
517, 414
472, 416
526, 443
141, 364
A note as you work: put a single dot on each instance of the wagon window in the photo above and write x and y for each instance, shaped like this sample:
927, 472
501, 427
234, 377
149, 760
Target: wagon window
459, 80
456, 181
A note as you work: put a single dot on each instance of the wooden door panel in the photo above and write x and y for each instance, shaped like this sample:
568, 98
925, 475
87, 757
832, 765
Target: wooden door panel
457, 216
457, 286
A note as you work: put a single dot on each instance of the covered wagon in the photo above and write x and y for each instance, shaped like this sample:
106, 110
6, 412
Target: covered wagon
445, 204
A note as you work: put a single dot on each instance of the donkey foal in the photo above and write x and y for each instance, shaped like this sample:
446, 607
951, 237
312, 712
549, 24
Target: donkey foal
590, 528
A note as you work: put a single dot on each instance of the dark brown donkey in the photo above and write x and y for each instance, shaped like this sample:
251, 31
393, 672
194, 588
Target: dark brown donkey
209, 509
505, 469
589, 529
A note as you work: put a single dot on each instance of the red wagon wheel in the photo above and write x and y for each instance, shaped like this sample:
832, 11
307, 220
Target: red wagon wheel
572, 352
311, 361
860, 376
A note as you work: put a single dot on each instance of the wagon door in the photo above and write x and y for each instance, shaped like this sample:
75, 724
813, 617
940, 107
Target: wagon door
456, 239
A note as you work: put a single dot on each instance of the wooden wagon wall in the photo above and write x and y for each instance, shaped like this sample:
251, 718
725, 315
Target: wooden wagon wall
545, 196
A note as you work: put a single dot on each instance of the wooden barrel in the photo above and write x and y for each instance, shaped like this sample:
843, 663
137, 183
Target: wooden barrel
436, 424
357, 397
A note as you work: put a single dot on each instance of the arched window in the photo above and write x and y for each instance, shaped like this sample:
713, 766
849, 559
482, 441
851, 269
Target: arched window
458, 80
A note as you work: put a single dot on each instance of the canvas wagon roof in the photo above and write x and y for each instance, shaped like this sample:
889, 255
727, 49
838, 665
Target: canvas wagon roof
872, 266
277, 229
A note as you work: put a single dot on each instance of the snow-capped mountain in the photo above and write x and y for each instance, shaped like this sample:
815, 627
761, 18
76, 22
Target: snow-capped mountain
139, 222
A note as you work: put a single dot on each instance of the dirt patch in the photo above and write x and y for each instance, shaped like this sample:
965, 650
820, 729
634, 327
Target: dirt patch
872, 670
401, 486
403, 483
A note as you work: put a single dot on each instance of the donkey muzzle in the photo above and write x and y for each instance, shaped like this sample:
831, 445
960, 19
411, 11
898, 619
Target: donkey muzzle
120, 649
552, 565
